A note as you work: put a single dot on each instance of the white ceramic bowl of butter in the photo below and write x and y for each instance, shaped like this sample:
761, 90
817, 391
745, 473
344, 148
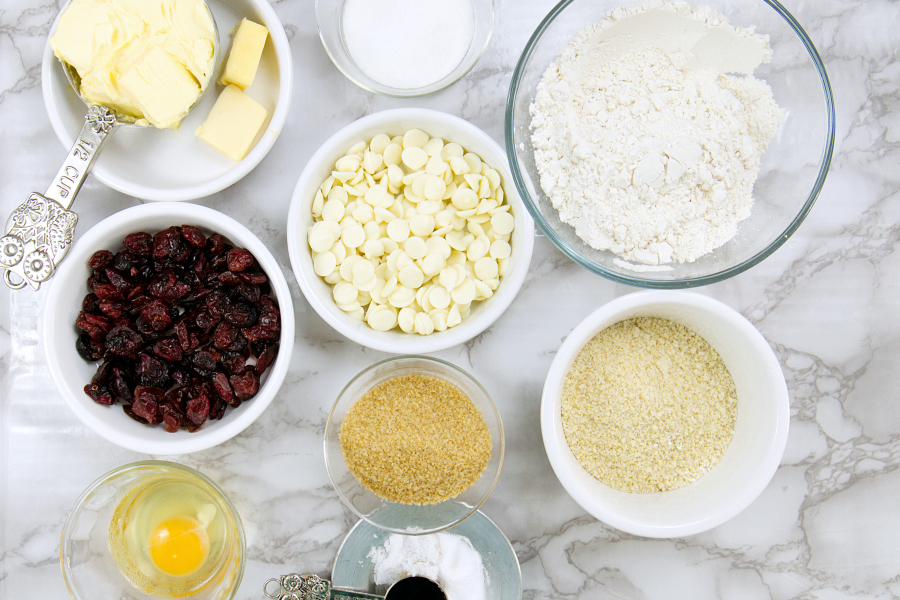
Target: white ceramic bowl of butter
175, 165
760, 433
319, 293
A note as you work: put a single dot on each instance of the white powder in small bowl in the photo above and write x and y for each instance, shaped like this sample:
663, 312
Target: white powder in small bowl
447, 559
408, 44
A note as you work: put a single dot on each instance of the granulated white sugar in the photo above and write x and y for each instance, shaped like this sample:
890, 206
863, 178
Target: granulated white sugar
408, 44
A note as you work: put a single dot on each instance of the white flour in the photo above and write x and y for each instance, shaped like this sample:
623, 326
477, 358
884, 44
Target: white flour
643, 143
445, 558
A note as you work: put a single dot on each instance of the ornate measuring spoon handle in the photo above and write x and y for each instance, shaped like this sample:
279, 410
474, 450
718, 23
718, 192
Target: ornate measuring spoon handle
39, 231
294, 586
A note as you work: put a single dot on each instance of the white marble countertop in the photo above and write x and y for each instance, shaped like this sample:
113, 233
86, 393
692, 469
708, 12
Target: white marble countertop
828, 524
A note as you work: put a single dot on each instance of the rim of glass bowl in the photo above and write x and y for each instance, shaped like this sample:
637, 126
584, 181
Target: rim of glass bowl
142, 464
548, 231
432, 359
392, 92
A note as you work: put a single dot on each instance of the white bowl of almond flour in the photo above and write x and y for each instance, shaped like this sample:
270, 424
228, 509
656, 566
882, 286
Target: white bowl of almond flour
666, 144
664, 414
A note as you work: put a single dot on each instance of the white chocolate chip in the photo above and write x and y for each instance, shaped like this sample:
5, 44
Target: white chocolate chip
321, 238
407, 319
379, 143
324, 263
486, 268
422, 225
424, 324
411, 277
415, 247
414, 158
500, 249
503, 223
415, 138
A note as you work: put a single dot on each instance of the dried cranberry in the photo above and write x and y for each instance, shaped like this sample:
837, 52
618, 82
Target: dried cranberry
222, 387
250, 293
239, 260
167, 243
193, 236
119, 384
242, 314
100, 259
140, 243
96, 326
146, 402
88, 349
172, 420
152, 371
91, 303
216, 244
258, 333
106, 291
204, 361
156, 312
224, 335
112, 308
235, 363
198, 409
230, 279
239, 345
216, 409
187, 339
253, 278
244, 386
98, 394
123, 341
120, 283
217, 302
266, 358
168, 349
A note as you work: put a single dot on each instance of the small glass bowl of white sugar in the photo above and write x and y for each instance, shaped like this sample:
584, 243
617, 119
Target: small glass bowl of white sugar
405, 48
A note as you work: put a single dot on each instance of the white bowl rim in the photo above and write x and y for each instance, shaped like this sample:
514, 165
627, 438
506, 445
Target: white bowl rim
230, 177
412, 344
180, 442
556, 445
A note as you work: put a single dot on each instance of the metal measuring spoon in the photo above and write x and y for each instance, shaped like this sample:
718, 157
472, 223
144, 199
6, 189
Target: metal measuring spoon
39, 232
312, 587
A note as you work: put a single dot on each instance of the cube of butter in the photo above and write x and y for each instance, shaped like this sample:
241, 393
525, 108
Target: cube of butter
246, 50
232, 123
160, 87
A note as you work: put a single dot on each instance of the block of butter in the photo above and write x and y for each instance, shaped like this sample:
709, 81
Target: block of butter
232, 123
246, 50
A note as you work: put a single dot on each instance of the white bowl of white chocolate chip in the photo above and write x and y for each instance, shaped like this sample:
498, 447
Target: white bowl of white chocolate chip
405, 232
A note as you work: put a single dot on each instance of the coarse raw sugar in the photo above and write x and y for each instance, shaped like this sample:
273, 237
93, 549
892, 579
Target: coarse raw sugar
648, 405
415, 439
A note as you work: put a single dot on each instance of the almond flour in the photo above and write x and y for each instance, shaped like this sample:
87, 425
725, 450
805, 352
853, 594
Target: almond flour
648, 406
648, 131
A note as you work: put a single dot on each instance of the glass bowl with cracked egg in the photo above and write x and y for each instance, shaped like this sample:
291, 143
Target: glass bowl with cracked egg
451, 257
639, 188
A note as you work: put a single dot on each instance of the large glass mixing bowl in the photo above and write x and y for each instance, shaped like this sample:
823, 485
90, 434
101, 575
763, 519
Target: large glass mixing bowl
793, 167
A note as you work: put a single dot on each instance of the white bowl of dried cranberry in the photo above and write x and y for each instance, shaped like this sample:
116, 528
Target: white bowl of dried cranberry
654, 419
183, 322
442, 329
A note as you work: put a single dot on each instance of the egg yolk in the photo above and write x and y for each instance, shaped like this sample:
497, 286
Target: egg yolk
178, 546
